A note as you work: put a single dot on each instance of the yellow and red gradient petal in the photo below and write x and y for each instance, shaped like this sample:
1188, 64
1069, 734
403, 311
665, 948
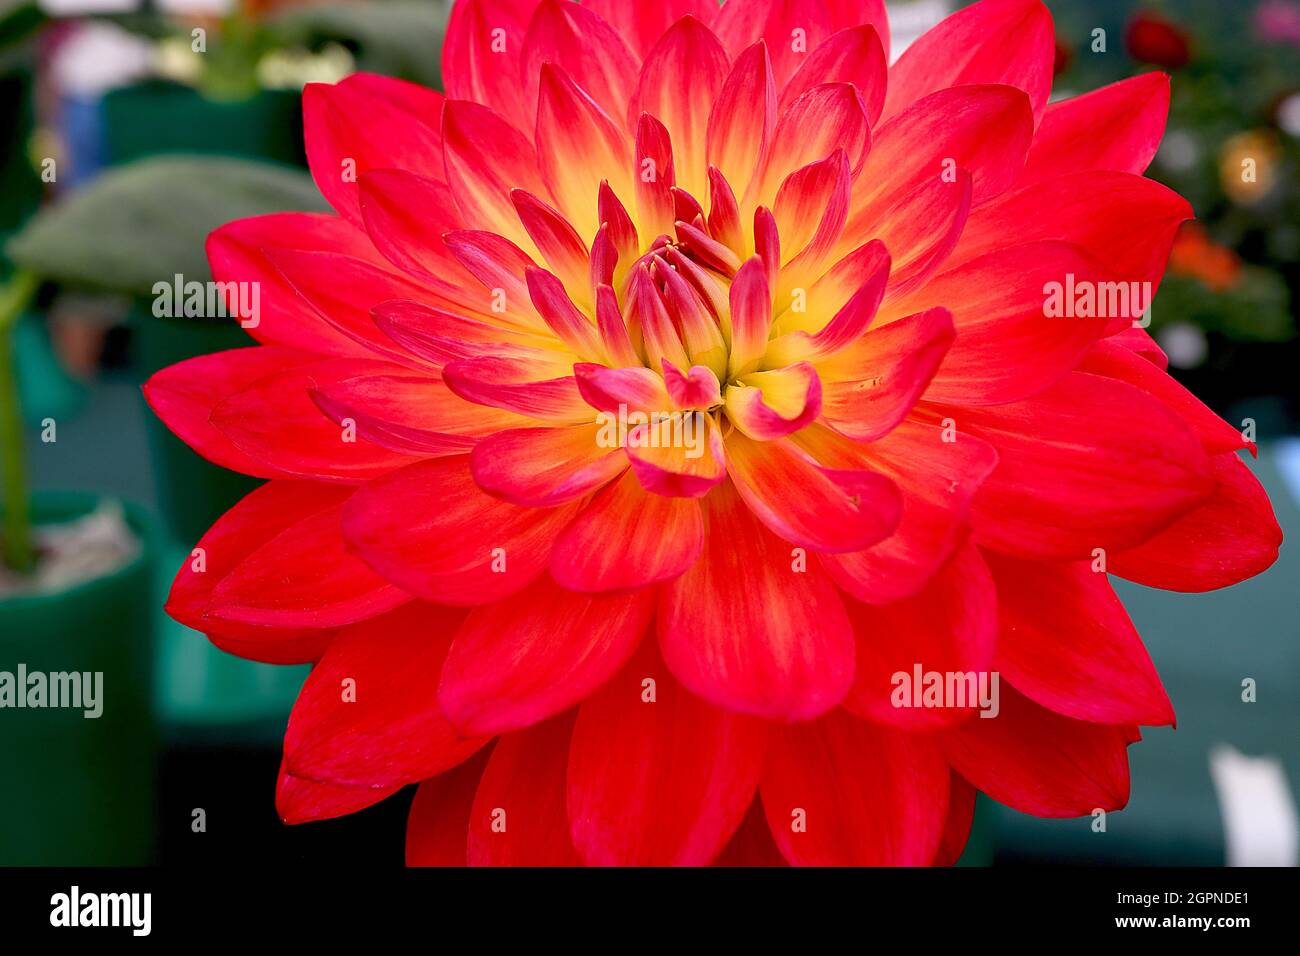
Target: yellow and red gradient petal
825, 509
779, 647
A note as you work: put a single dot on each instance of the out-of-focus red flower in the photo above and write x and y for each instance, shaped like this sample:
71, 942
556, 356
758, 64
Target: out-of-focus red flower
1196, 254
1152, 38
616, 647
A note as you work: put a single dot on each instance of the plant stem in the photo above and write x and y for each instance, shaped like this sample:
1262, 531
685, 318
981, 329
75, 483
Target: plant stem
16, 549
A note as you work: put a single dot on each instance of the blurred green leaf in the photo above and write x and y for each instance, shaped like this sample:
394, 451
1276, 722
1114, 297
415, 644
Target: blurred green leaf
19, 20
148, 221
401, 38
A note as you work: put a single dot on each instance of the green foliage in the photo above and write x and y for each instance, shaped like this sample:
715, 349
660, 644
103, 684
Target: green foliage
148, 221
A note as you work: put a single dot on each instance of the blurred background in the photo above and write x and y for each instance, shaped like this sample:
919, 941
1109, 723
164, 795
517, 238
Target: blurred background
131, 128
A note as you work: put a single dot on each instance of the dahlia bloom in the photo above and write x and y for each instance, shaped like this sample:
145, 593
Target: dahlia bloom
823, 279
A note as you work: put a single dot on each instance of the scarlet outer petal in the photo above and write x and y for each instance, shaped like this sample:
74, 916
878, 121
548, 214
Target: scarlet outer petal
518, 817
1117, 127
950, 627
642, 24
254, 521
663, 781
183, 396
304, 577
1064, 481
1067, 643
389, 730
238, 252
1231, 536
1006, 347
997, 41
276, 421
867, 795
303, 801
961, 813
482, 52
413, 524
437, 827
1039, 762
522, 660
983, 129
780, 646
364, 122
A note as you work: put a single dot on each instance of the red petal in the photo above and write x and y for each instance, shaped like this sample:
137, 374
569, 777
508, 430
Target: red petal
824, 509
1116, 127
519, 817
369, 122
998, 41
1067, 643
875, 382
486, 158
541, 467
1113, 360
304, 577
1007, 346
985, 130
659, 538
1039, 762
412, 526
257, 519
437, 828
854, 55
581, 42
1064, 483
304, 801
275, 421
237, 252
937, 479
482, 54
1124, 222
361, 721
642, 24
183, 396
656, 776
950, 628
524, 659
410, 415
1231, 536
844, 792
747, 631
961, 812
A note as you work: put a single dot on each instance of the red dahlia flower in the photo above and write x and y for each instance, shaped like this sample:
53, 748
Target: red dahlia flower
852, 442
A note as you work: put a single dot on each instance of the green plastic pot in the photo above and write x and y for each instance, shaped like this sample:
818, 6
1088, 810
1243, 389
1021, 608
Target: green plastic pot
156, 117
79, 791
